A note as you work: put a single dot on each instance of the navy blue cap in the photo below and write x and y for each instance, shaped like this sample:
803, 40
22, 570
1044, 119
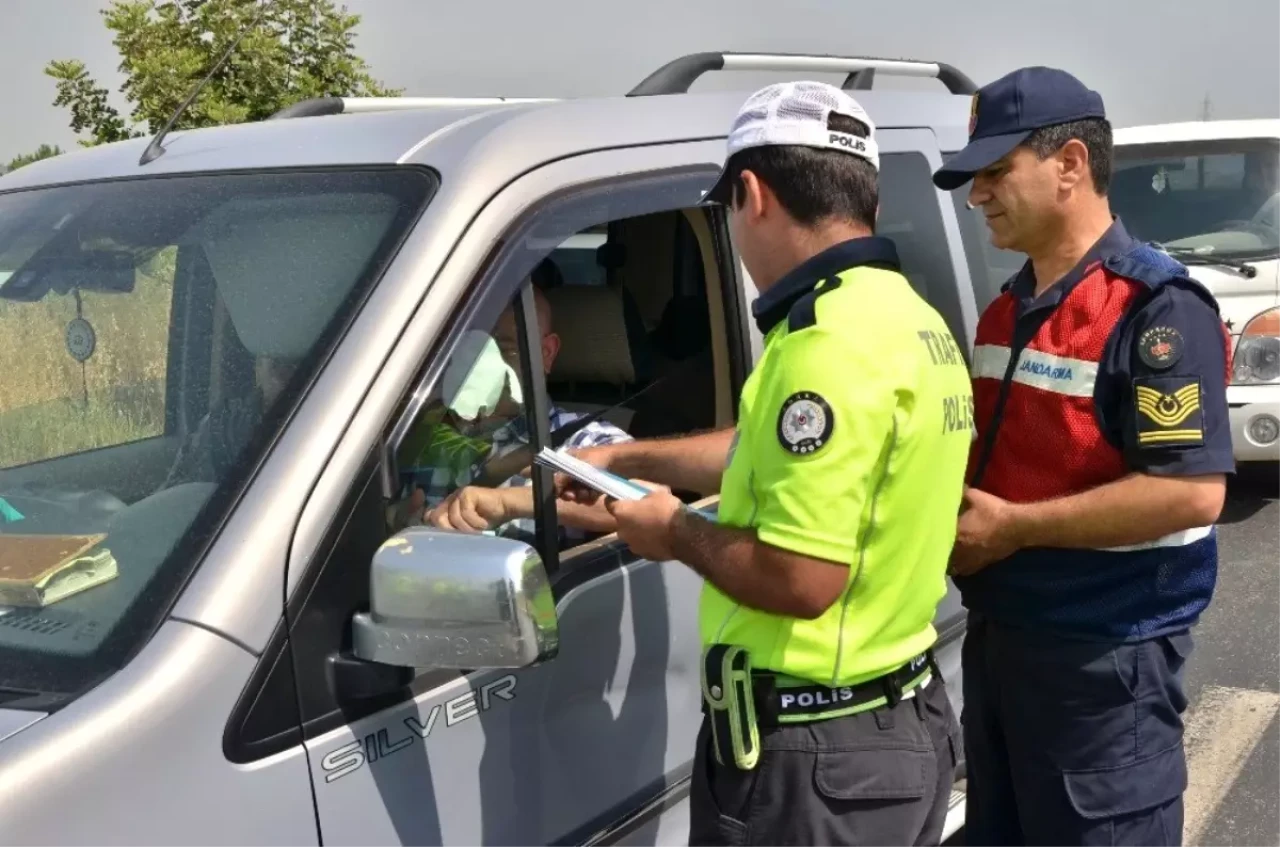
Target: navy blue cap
1007, 111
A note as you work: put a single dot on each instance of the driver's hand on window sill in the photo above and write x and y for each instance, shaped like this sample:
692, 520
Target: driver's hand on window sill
478, 509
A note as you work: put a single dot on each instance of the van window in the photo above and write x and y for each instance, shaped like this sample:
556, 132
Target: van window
625, 350
911, 217
990, 267
86, 388
1201, 199
155, 332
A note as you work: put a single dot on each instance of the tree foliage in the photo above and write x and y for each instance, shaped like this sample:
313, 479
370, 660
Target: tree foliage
44, 151
298, 49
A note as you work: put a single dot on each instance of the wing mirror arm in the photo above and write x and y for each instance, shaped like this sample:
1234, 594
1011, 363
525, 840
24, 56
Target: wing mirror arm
353, 678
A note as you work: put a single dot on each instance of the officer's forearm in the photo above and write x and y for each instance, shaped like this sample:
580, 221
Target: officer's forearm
753, 573
690, 463
1132, 510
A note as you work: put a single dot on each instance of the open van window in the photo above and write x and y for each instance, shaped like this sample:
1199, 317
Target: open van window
155, 334
1215, 199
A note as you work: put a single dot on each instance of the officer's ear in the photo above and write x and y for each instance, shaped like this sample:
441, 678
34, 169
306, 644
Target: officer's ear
752, 197
1073, 164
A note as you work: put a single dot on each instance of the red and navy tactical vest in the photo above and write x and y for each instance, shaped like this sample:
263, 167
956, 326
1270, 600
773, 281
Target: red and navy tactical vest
1039, 436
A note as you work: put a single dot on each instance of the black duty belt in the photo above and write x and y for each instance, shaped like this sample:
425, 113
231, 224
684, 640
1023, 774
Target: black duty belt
739, 699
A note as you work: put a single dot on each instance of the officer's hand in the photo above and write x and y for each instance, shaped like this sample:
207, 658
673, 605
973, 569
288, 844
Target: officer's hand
645, 525
573, 491
469, 509
985, 533
569, 489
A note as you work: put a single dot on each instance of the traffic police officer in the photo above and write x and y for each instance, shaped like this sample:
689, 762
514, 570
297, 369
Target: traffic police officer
826, 721
1086, 549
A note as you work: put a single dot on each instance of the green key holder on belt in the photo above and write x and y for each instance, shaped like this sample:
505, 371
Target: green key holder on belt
727, 692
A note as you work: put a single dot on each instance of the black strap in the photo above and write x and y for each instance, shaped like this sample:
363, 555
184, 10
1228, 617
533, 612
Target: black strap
1024, 329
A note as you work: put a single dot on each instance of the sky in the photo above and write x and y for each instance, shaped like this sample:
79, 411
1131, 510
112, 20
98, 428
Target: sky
1151, 63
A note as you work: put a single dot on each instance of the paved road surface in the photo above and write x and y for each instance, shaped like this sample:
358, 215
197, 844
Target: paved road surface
1233, 682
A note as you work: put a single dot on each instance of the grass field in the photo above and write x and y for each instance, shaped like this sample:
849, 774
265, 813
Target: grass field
50, 404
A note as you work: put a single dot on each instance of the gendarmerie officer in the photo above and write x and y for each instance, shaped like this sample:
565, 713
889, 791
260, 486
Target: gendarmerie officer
1086, 550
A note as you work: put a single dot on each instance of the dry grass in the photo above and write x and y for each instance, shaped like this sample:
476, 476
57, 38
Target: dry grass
51, 405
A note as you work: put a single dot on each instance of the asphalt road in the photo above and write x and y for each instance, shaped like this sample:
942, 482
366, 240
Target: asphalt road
1233, 678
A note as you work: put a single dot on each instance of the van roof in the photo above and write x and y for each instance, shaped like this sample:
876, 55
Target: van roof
444, 135
1198, 131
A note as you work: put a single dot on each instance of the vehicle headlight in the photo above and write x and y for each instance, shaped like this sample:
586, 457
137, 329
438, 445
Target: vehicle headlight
1257, 356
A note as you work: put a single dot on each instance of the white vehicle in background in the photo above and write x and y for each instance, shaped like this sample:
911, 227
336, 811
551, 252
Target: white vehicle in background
1208, 192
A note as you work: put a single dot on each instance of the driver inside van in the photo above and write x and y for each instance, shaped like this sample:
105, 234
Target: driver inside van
1262, 182
215, 444
479, 433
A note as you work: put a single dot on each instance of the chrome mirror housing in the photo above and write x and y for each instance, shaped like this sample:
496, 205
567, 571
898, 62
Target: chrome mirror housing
442, 599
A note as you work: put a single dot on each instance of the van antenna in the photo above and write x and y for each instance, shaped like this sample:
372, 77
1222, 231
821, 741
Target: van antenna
156, 149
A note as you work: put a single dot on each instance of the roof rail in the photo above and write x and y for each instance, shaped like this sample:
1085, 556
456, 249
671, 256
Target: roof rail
318, 106
676, 76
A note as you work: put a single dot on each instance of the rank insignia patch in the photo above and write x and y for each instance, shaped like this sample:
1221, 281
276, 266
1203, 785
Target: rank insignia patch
1169, 413
1160, 347
805, 423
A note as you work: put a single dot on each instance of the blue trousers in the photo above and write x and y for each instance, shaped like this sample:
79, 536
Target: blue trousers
1072, 742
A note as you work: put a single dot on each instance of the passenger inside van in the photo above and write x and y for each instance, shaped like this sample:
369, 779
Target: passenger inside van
460, 465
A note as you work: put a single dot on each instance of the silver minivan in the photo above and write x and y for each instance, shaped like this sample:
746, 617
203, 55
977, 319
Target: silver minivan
214, 629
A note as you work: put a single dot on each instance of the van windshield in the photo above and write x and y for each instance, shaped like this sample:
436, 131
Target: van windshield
1205, 199
154, 335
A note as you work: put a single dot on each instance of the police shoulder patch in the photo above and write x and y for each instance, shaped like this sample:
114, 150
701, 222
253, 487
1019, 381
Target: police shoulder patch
1169, 411
1160, 347
805, 423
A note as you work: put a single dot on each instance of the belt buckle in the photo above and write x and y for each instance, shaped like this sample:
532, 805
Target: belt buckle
895, 682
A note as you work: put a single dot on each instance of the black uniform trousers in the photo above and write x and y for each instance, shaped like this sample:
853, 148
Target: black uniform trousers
1072, 742
877, 777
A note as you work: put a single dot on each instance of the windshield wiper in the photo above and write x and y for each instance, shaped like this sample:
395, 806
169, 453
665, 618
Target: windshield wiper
1191, 257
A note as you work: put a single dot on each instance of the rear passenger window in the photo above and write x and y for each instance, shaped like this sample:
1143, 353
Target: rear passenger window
911, 217
989, 266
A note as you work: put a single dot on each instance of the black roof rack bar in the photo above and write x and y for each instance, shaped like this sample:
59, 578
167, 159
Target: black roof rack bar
318, 106
676, 76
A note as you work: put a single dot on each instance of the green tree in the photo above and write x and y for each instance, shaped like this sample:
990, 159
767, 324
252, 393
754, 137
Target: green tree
44, 151
298, 49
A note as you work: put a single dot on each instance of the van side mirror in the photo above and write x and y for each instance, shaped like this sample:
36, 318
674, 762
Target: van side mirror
441, 599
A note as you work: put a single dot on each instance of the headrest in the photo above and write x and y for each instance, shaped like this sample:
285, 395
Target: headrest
594, 345
283, 265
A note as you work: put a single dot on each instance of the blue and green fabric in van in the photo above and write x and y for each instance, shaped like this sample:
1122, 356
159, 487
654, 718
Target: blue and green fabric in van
854, 430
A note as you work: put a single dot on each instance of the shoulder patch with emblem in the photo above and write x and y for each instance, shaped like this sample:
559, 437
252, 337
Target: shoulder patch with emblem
805, 423
1168, 411
1160, 347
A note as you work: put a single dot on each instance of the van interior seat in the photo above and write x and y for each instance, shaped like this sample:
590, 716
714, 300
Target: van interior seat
603, 356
